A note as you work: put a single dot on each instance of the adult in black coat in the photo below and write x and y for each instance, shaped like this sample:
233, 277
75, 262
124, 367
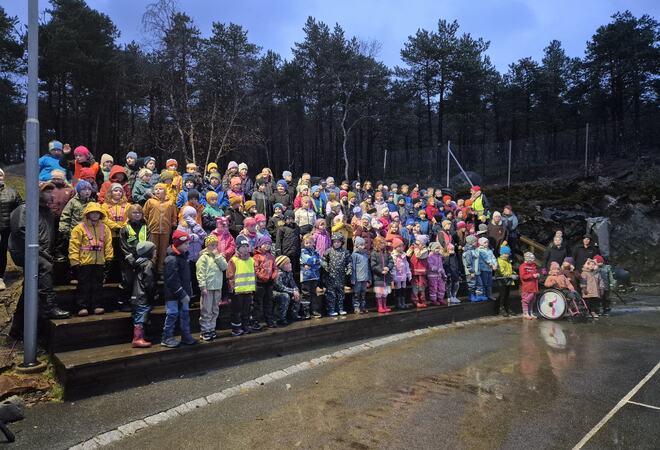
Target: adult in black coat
583, 251
555, 252
9, 201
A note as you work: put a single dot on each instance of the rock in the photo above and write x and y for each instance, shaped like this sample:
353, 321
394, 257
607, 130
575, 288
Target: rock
11, 384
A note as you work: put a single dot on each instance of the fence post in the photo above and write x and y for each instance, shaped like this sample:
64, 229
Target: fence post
385, 162
586, 151
448, 162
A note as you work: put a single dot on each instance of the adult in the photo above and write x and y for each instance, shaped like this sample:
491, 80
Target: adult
282, 194
497, 232
583, 251
478, 200
557, 251
267, 176
48, 308
511, 222
9, 200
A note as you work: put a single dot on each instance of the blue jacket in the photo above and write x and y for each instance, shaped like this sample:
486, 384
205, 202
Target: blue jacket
177, 276
312, 259
48, 163
360, 267
486, 259
223, 200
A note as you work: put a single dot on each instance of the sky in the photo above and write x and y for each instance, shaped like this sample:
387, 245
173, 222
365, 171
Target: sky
515, 28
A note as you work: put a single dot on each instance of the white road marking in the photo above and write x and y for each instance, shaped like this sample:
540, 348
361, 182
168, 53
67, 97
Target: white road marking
644, 405
616, 408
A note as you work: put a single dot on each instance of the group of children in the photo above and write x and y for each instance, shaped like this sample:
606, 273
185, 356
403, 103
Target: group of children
266, 247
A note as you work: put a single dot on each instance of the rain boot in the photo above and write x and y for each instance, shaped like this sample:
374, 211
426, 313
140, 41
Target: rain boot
138, 338
422, 300
385, 308
379, 301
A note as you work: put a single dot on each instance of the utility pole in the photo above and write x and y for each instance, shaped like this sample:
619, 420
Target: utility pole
32, 191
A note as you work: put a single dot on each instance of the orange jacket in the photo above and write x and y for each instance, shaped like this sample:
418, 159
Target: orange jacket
160, 216
265, 268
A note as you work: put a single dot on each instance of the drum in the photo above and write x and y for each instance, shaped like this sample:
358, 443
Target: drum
551, 304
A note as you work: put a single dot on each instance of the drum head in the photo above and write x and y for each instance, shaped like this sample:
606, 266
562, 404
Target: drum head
551, 304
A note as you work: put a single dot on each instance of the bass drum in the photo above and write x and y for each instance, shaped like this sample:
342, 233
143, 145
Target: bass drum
551, 304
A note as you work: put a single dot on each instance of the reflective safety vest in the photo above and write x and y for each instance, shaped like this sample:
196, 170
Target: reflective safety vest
93, 245
141, 237
478, 204
244, 280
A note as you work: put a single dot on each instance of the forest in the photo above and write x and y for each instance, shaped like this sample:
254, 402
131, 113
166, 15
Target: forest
334, 107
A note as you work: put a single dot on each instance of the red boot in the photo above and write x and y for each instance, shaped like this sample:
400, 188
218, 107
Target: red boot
385, 308
380, 302
138, 338
422, 300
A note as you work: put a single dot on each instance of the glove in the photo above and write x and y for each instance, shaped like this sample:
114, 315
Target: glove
544, 271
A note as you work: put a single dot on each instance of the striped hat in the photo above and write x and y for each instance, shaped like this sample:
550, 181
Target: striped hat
282, 260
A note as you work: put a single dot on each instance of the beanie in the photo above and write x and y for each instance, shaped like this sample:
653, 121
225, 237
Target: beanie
235, 200
166, 175
82, 184
81, 150
148, 158
55, 145
215, 175
263, 240
241, 241
282, 260
179, 237
106, 158
114, 186
286, 174
359, 241
131, 155
284, 184
278, 206
144, 171
249, 222
242, 166
505, 250
144, 248
210, 239
483, 241
55, 172
210, 195
421, 239
337, 237
232, 165
529, 257
599, 259
212, 167
260, 218
461, 225
397, 242
470, 240
249, 204
171, 162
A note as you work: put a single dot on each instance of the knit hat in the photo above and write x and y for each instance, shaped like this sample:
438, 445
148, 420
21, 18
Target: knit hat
315, 188
249, 222
148, 158
483, 228
289, 214
529, 257
278, 205
357, 211
179, 237
232, 165
433, 246
188, 212
281, 260
260, 218
212, 167
81, 150
47, 186
55, 145
166, 175
107, 158
82, 184
470, 240
242, 166
210, 239
329, 180
114, 186
215, 175
284, 184
235, 200
410, 221
241, 241
497, 214
421, 239
286, 174
249, 204
461, 225
343, 194
144, 171
337, 237
475, 188
569, 260
359, 241
210, 195
397, 242
505, 250
54, 173
131, 155
351, 195
171, 162
263, 240
145, 248
599, 259
483, 241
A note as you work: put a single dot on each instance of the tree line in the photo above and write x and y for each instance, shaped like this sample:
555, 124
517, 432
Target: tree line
332, 108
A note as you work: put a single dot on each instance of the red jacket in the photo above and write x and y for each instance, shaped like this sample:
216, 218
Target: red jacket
112, 179
265, 268
418, 266
528, 283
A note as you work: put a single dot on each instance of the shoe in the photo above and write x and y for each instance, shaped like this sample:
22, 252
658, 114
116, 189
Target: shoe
255, 326
247, 330
99, 311
306, 317
342, 313
271, 324
381, 309
169, 342
214, 335
56, 313
356, 310
206, 337
316, 315
2, 285
236, 332
189, 340
138, 338
420, 305
83, 313
333, 314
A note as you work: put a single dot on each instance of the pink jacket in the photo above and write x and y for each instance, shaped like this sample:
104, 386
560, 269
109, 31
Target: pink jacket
401, 267
322, 241
226, 243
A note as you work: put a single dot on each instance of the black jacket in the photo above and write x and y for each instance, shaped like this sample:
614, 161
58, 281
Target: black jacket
9, 201
554, 254
286, 199
581, 254
235, 218
128, 246
177, 276
380, 260
17, 237
144, 284
287, 241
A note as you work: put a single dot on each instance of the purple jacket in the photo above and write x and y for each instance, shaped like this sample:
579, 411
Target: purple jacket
401, 268
435, 266
322, 242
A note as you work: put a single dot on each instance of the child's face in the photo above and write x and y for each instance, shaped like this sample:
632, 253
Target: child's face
278, 211
321, 225
94, 216
190, 184
287, 267
417, 228
360, 247
265, 247
213, 201
136, 216
130, 161
309, 244
184, 247
215, 181
252, 228
116, 194
193, 202
151, 165
191, 169
213, 246
172, 167
85, 193
504, 256
262, 188
337, 244
146, 178
446, 226
159, 192
252, 211
261, 224
121, 178
451, 250
107, 165
244, 251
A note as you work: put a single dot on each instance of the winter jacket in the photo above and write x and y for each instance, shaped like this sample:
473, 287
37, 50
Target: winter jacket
47, 164
590, 284
305, 217
248, 278
486, 260
182, 199
176, 273
497, 234
336, 264
367, 235
608, 282
142, 192
528, 284
436, 268
9, 201
144, 283
554, 254
114, 172
265, 269
360, 267
311, 259
116, 215
264, 205
210, 216
424, 225
400, 267
90, 244
72, 214
452, 268
209, 270
160, 216
197, 236
61, 196
380, 260
274, 223
287, 240
558, 281
130, 236
505, 270
581, 254
223, 198
247, 186
285, 283
17, 223
236, 218
418, 266
322, 241
285, 199
470, 259
511, 223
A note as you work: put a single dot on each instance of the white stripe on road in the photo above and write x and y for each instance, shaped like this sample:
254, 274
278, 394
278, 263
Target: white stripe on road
616, 408
131, 428
643, 404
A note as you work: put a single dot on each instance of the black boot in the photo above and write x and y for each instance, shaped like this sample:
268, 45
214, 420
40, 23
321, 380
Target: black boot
57, 313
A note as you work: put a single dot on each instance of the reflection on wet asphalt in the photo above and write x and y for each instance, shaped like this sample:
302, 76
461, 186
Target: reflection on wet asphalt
512, 384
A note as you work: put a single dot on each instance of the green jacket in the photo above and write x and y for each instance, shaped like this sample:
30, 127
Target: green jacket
72, 215
141, 192
209, 270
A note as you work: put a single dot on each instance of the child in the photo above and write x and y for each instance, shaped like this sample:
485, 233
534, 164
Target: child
485, 266
505, 271
265, 271
360, 275
607, 282
72, 215
529, 284
285, 291
310, 265
400, 272
210, 265
196, 234
261, 225
250, 232
590, 285
436, 276
381, 266
160, 214
118, 176
419, 254
287, 240
261, 199
453, 272
143, 189
211, 212
90, 247
51, 161
276, 220
134, 232
322, 240
470, 261
177, 290
241, 283
143, 290
115, 210
336, 263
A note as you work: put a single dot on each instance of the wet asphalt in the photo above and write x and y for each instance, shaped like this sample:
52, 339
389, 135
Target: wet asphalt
512, 384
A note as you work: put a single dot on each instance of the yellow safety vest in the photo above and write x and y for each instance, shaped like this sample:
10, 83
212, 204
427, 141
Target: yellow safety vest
478, 205
244, 280
142, 237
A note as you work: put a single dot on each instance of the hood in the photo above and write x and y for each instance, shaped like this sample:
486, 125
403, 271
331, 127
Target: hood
93, 207
116, 170
189, 212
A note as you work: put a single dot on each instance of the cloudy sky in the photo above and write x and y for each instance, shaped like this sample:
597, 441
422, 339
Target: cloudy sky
515, 28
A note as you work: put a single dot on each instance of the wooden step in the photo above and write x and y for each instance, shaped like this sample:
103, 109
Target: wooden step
91, 371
